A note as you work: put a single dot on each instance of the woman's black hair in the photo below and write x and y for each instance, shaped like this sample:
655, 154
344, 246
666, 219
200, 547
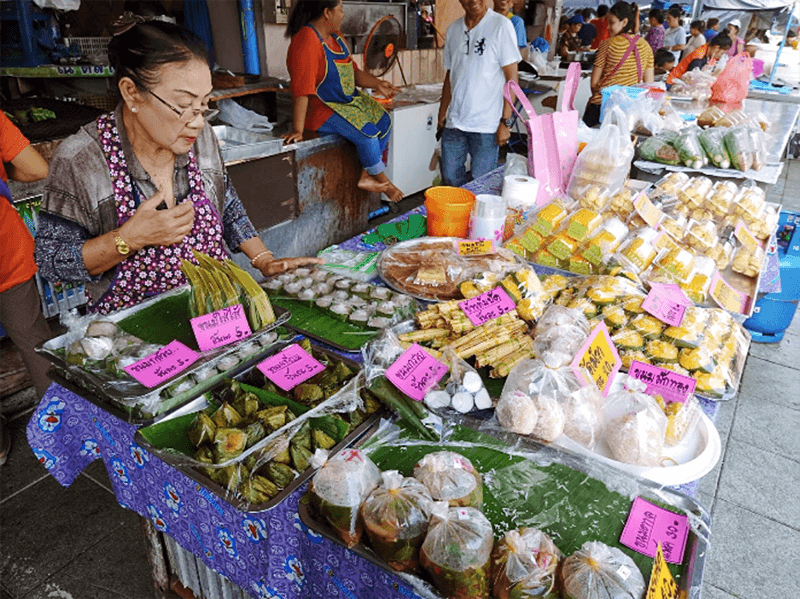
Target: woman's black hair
623, 10
305, 11
602, 10
142, 50
722, 40
657, 14
711, 22
699, 25
676, 12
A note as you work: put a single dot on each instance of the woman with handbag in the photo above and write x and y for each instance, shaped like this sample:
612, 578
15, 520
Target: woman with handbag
623, 59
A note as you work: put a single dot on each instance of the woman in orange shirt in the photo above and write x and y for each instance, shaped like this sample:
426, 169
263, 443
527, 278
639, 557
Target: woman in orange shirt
708, 53
623, 59
324, 95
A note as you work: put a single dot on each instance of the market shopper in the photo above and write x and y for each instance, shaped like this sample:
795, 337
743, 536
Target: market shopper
134, 192
588, 31
655, 35
696, 38
624, 59
569, 42
480, 56
708, 54
20, 305
664, 61
601, 26
737, 43
325, 97
675, 36
505, 8
712, 28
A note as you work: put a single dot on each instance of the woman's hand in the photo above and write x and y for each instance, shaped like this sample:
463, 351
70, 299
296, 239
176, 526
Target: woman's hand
149, 226
293, 137
269, 265
386, 89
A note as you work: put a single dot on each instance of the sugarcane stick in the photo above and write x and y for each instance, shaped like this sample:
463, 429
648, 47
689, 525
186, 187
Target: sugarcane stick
493, 355
483, 345
423, 335
508, 363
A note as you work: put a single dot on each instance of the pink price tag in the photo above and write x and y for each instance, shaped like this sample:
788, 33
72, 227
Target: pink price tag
290, 367
648, 524
671, 386
221, 327
415, 372
667, 303
163, 364
487, 306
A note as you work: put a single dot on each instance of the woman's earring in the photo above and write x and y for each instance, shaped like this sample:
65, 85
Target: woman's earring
134, 109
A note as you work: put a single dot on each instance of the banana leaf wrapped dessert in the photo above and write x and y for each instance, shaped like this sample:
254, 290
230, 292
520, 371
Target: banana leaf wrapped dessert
657, 149
524, 564
457, 551
338, 488
450, 477
597, 571
396, 516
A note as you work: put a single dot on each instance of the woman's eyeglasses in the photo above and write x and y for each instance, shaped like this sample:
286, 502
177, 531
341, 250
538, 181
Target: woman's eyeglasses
191, 113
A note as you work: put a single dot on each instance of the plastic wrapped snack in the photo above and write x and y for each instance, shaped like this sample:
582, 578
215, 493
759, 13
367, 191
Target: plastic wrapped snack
605, 242
395, 517
593, 197
671, 182
598, 571
516, 412
450, 477
549, 218
689, 149
622, 202
338, 488
694, 193
524, 564
457, 551
583, 412
740, 147
635, 426
560, 333
463, 390
721, 199
759, 143
699, 281
714, 146
710, 116
637, 253
748, 261
657, 149
583, 223
682, 417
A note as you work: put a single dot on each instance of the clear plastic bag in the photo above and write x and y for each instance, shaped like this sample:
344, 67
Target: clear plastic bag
714, 146
689, 148
759, 144
682, 418
740, 147
338, 488
658, 149
597, 571
395, 517
606, 160
451, 477
464, 390
635, 426
457, 551
559, 334
524, 564
583, 412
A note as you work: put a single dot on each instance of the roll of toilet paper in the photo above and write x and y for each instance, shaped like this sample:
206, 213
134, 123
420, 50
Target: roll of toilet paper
520, 191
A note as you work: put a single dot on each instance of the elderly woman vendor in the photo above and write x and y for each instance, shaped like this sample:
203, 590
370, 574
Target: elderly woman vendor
133, 193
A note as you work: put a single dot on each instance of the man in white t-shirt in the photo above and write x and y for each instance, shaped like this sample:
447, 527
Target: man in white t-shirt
480, 55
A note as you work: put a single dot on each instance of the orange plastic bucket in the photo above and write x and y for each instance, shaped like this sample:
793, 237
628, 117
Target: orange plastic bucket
449, 210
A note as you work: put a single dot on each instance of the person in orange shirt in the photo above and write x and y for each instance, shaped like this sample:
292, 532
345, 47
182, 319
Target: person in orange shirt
601, 26
20, 306
705, 54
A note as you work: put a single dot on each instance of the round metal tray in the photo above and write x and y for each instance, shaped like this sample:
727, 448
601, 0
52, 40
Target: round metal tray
404, 245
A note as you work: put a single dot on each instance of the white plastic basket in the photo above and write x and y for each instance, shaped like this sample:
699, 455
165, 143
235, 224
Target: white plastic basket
96, 47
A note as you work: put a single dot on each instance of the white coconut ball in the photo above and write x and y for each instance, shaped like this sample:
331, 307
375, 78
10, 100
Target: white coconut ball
517, 412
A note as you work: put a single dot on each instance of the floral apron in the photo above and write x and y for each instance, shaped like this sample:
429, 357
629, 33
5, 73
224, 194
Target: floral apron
337, 90
154, 269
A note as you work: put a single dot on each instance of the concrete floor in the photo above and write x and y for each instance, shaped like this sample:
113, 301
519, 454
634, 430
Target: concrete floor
78, 543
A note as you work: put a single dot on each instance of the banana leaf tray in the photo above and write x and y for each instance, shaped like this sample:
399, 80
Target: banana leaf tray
159, 321
572, 498
168, 439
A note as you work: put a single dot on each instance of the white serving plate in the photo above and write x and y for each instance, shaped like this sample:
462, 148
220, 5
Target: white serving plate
696, 455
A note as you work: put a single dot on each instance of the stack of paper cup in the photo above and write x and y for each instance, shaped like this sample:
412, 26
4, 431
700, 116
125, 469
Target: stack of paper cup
520, 192
488, 218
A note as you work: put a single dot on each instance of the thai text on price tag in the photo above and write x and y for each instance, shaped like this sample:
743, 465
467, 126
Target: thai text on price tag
290, 367
598, 357
727, 297
649, 525
415, 372
745, 235
163, 364
476, 247
662, 584
221, 327
671, 386
667, 302
487, 306
645, 208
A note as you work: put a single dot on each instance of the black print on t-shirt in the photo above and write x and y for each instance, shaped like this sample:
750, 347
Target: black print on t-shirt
480, 47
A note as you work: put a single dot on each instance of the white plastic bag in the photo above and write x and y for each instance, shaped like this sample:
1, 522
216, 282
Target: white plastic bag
241, 118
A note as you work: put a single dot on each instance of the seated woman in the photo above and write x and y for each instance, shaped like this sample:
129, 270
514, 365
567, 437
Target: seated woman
709, 53
623, 59
134, 192
324, 95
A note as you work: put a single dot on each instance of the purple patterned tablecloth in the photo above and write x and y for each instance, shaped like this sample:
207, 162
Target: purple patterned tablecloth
269, 554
